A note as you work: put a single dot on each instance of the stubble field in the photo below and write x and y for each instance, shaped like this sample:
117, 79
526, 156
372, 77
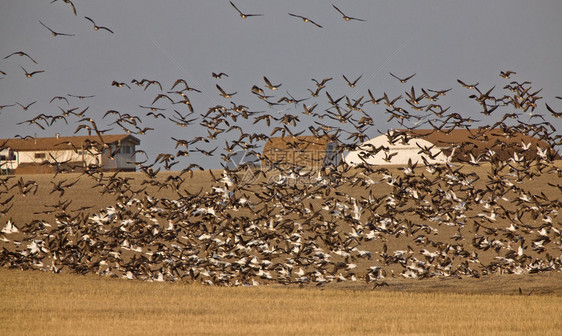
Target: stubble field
48, 304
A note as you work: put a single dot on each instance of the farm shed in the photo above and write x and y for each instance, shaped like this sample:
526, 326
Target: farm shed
45, 155
301, 151
458, 145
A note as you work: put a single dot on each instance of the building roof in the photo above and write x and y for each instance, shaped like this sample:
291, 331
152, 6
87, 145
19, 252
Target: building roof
479, 141
63, 143
457, 145
475, 136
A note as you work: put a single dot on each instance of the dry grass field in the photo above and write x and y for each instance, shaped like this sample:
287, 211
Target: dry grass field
41, 303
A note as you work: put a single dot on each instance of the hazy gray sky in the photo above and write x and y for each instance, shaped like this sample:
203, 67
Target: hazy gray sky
440, 41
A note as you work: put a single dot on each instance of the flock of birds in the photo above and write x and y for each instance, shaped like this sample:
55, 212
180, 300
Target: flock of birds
305, 19
330, 224
364, 223
96, 27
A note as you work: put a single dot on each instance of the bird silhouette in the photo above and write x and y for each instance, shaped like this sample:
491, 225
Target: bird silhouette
54, 33
352, 83
468, 86
506, 74
219, 75
96, 27
305, 19
269, 85
345, 17
30, 74
224, 94
26, 106
21, 53
402, 80
59, 98
242, 15
81, 97
68, 2
120, 84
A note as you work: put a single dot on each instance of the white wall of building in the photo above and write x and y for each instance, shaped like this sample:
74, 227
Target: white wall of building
120, 160
394, 154
60, 156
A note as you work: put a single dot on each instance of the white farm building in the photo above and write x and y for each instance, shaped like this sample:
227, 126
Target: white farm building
381, 151
44, 155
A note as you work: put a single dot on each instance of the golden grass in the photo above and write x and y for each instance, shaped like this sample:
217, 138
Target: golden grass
48, 304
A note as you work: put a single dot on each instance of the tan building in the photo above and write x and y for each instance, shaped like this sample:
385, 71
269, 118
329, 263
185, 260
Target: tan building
45, 155
301, 151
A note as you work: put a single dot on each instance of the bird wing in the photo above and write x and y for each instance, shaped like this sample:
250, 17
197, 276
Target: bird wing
92, 21
267, 81
52, 31
220, 89
109, 30
236, 8
338, 10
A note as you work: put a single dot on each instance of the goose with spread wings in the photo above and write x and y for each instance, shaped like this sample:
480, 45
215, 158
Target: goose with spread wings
305, 19
54, 33
96, 27
243, 15
345, 17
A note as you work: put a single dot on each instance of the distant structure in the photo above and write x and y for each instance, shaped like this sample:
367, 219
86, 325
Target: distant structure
301, 151
458, 145
47, 155
381, 151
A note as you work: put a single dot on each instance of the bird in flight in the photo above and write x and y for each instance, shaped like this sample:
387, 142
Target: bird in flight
96, 27
21, 53
350, 83
345, 17
402, 80
54, 32
242, 15
59, 98
30, 74
321, 84
269, 85
305, 19
2, 106
468, 86
68, 2
219, 75
119, 84
506, 74
25, 107
80, 97
554, 113
224, 94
